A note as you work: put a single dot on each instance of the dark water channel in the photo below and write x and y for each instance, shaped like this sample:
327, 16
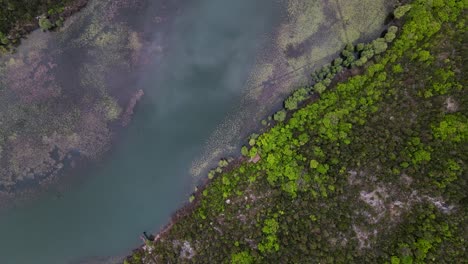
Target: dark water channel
198, 80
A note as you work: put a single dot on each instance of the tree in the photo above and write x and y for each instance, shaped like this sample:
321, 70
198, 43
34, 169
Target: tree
280, 116
393, 29
401, 11
337, 62
242, 258
297, 97
3, 39
45, 23
368, 51
389, 37
320, 87
379, 45
360, 47
244, 151
349, 47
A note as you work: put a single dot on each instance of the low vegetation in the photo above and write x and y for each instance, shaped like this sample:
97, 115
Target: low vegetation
374, 171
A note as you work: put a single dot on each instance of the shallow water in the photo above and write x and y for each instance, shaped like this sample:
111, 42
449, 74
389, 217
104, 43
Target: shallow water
190, 87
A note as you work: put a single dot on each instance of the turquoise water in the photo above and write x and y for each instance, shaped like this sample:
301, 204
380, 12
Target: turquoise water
189, 90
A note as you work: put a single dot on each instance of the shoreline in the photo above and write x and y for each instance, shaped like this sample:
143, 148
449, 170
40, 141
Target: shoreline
204, 182
405, 34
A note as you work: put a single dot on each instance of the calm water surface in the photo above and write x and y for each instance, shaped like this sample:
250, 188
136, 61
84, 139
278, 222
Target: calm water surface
190, 90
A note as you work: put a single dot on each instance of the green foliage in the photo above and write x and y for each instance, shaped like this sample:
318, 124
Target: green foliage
242, 258
379, 45
270, 242
401, 11
223, 163
389, 37
392, 29
245, 150
454, 127
397, 68
424, 55
337, 62
297, 97
45, 23
280, 116
320, 88
212, 173
3, 39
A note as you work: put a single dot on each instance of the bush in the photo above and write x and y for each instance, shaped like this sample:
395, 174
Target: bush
242, 258
360, 47
349, 47
245, 151
320, 88
223, 163
389, 37
3, 39
361, 61
45, 23
401, 11
297, 97
379, 45
393, 29
280, 116
337, 62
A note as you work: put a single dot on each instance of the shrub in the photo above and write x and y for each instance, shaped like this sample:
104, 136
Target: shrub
379, 45
297, 97
245, 151
349, 47
337, 62
280, 116
223, 163
242, 258
368, 51
45, 23
320, 88
401, 11
360, 47
393, 29
3, 39
389, 37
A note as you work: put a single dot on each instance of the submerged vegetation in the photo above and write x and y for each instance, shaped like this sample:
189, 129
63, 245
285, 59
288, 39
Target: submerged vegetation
372, 171
54, 110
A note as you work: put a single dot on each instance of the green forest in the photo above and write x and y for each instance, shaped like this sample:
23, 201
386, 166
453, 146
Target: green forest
365, 165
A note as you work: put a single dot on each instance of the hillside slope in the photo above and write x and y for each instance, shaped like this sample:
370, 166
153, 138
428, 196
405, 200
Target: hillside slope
374, 171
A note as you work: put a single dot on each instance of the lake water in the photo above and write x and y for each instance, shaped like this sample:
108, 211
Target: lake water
210, 70
190, 88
